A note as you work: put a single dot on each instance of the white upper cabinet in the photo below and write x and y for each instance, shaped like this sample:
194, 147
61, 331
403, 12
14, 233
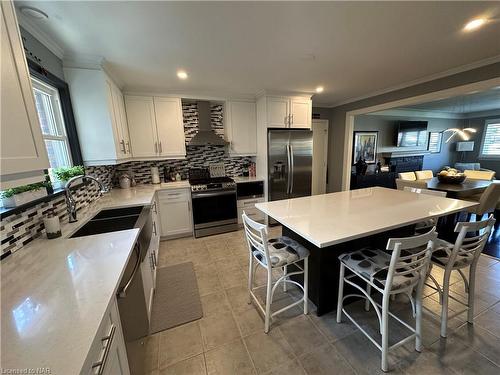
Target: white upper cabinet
23, 155
156, 127
142, 125
277, 112
171, 140
241, 127
287, 111
300, 113
100, 119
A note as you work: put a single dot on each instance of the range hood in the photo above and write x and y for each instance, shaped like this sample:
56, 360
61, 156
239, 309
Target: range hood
205, 135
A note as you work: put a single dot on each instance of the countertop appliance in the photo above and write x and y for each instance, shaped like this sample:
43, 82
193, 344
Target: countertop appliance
289, 163
214, 203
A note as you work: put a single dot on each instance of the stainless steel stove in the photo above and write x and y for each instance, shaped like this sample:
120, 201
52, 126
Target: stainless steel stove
214, 203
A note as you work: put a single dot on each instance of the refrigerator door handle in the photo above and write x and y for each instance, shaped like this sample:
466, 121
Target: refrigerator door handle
292, 168
289, 159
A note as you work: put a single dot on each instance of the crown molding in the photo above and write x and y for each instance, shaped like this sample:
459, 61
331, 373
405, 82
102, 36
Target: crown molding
265, 92
489, 113
216, 96
446, 73
40, 35
410, 112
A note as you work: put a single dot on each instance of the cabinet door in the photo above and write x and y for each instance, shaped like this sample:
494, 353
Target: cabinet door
301, 113
141, 125
117, 362
170, 127
147, 268
175, 212
22, 148
112, 93
277, 112
243, 128
124, 123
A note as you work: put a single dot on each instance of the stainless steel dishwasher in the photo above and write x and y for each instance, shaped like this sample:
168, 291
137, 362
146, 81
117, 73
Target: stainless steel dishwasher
131, 299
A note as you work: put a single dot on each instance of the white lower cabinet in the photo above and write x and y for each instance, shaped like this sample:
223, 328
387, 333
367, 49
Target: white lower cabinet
248, 205
150, 262
175, 212
108, 355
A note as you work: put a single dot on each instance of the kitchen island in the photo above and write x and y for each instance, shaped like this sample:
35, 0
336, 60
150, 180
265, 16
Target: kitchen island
332, 224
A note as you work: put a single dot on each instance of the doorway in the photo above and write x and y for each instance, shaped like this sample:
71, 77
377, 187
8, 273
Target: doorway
320, 156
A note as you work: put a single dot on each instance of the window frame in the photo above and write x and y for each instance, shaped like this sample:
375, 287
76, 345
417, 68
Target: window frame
39, 73
483, 138
55, 100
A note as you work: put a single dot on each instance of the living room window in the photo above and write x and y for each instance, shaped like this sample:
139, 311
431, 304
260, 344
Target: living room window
490, 147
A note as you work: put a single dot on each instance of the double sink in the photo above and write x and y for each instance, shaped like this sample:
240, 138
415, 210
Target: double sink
110, 220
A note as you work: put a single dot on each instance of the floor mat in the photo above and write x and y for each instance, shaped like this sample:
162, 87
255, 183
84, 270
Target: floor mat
177, 300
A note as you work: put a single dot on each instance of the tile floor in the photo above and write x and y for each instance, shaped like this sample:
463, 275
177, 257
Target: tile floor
229, 339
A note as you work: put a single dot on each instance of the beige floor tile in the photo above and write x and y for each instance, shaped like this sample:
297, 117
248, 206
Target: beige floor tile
233, 277
229, 359
226, 265
325, 360
328, 325
490, 321
302, 335
208, 283
238, 298
249, 321
496, 308
480, 340
191, 366
215, 303
463, 359
217, 330
289, 368
268, 351
180, 343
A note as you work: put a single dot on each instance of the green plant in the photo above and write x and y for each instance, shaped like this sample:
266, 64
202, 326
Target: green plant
65, 173
22, 189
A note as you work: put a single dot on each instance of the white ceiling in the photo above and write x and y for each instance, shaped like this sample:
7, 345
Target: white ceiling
351, 48
474, 102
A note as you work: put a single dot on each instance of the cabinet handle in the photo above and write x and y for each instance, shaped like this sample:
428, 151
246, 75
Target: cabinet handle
154, 207
161, 148
102, 362
151, 262
291, 119
155, 263
128, 147
154, 227
122, 142
156, 147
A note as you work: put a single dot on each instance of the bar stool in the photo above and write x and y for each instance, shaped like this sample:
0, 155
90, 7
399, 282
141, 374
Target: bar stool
274, 253
403, 271
463, 253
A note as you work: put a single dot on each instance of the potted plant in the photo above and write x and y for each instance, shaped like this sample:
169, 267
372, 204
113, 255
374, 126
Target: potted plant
23, 194
63, 174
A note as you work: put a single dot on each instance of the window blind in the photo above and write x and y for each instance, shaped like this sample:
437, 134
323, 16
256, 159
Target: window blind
491, 143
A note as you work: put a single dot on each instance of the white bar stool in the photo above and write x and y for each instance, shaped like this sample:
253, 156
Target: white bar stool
274, 253
463, 253
402, 272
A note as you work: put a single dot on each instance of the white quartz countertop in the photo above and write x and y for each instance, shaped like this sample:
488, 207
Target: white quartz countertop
54, 293
329, 219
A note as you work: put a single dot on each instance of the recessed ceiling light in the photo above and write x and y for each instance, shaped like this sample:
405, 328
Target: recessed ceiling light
319, 89
182, 74
34, 13
474, 24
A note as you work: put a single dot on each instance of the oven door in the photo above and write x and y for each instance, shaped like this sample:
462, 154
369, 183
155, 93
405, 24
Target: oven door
213, 209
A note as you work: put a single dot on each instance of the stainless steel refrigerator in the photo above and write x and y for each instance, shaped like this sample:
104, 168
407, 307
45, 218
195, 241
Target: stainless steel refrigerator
289, 163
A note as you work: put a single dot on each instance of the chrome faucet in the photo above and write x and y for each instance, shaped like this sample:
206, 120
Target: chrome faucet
70, 201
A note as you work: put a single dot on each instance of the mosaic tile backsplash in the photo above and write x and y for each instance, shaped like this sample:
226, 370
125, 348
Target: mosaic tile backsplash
19, 229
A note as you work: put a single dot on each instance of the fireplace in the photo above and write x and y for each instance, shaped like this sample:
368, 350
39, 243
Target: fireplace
400, 164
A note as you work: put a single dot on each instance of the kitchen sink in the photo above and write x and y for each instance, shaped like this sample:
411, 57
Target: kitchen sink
118, 212
111, 220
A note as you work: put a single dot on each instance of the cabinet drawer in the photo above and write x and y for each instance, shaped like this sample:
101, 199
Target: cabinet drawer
252, 213
96, 353
174, 195
249, 203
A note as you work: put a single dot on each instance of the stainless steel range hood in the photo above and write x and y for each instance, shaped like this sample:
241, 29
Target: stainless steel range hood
205, 135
